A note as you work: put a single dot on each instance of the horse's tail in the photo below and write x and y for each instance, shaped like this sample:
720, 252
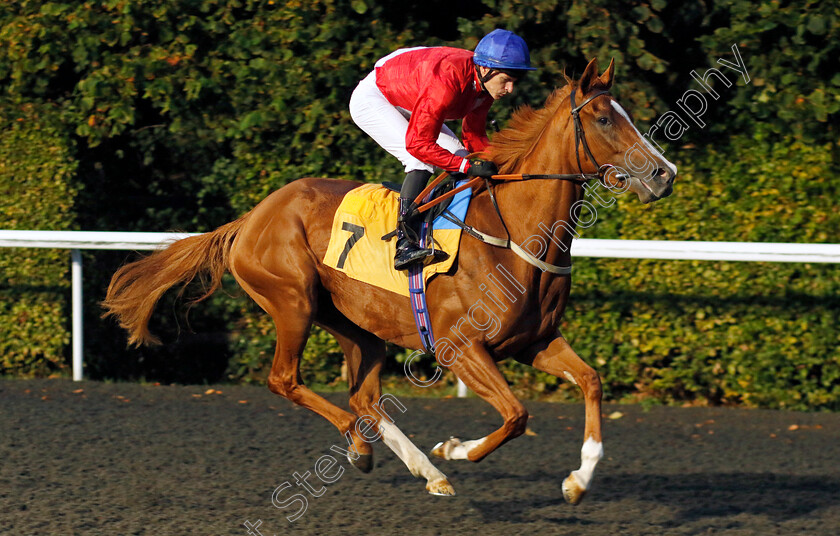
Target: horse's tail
136, 287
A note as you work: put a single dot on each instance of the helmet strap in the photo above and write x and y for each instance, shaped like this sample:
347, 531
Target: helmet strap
486, 78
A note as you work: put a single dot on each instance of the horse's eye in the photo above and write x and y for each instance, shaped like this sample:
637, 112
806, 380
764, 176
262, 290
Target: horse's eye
603, 120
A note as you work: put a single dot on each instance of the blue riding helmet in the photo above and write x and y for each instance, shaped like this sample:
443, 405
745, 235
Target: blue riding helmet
501, 49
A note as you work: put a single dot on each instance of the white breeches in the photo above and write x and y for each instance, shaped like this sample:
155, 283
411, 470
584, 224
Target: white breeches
387, 124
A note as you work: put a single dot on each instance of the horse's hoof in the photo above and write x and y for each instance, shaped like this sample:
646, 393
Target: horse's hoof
573, 492
363, 462
444, 448
440, 487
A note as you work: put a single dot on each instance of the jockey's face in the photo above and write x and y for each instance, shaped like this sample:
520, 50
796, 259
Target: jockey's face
499, 85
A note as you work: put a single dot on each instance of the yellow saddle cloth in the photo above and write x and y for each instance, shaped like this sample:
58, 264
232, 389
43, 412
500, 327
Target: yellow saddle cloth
356, 248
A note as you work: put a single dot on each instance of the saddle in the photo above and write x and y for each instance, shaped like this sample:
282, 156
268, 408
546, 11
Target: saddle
360, 244
437, 210
434, 212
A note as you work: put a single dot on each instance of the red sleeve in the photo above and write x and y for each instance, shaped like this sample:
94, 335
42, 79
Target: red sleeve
474, 128
424, 129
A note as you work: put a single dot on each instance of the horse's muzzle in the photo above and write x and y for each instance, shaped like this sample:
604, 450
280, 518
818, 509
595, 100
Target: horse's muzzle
660, 184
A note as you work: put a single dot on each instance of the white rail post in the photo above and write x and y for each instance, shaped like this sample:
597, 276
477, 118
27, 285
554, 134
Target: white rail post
78, 337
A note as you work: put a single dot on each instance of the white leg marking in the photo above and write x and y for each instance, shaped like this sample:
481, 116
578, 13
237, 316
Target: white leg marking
455, 450
648, 144
411, 456
569, 377
590, 454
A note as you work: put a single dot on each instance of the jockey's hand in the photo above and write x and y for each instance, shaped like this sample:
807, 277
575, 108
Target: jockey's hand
482, 168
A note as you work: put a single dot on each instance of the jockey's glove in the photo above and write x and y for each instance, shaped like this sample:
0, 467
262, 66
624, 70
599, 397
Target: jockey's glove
482, 168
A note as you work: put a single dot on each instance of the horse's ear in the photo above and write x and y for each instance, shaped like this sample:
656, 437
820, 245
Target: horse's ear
607, 78
590, 75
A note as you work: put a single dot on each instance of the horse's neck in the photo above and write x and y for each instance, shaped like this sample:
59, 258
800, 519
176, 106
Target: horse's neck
542, 207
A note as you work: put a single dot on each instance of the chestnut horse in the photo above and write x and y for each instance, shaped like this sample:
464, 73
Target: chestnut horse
275, 252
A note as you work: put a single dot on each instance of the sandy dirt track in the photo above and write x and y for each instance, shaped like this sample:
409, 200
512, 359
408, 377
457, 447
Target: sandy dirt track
96, 458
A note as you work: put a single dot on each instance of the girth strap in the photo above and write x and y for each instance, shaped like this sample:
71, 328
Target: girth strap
506, 243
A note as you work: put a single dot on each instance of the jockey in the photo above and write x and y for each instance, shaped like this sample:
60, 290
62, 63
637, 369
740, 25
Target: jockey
404, 101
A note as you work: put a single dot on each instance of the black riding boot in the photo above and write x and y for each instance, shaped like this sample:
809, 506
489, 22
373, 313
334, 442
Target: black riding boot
408, 228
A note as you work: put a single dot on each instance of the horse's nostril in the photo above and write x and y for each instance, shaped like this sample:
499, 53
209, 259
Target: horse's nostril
666, 175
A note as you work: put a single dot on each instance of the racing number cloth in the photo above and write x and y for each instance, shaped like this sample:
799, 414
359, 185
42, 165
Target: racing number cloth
356, 248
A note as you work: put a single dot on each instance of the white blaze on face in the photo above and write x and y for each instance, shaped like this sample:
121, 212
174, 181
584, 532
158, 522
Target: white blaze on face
651, 149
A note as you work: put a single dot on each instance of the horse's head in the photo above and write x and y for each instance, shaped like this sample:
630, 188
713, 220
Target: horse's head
609, 138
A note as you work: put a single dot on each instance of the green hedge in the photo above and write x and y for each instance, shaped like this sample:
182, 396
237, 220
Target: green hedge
756, 334
182, 114
36, 192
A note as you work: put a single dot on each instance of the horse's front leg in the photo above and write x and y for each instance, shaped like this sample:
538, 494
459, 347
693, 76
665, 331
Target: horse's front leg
557, 358
479, 372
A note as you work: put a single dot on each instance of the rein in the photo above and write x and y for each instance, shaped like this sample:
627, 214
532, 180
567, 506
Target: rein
578, 178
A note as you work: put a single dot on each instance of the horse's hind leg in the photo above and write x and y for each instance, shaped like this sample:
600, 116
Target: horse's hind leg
557, 358
365, 355
291, 302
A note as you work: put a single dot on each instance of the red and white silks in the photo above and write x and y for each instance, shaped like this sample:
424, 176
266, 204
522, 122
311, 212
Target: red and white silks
404, 101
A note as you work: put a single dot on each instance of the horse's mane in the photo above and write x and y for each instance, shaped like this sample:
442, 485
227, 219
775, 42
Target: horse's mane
516, 141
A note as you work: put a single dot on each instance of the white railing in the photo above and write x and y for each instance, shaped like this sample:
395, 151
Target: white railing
581, 247
76, 241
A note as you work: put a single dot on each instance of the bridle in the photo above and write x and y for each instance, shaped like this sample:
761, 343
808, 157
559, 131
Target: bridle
580, 135
579, 178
